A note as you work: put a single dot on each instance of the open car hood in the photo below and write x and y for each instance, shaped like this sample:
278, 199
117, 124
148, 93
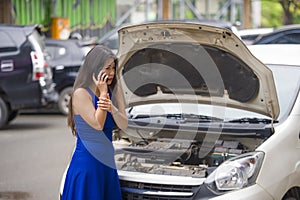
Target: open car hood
192, 63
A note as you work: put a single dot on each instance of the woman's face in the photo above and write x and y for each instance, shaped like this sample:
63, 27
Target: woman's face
109, 69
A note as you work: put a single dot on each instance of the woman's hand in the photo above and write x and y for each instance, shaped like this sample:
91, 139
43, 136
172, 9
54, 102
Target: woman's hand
104, 103
101, 82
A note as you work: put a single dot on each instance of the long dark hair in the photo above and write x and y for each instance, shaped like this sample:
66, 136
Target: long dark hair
92, 65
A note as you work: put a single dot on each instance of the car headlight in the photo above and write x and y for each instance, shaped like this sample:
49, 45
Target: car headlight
235, 173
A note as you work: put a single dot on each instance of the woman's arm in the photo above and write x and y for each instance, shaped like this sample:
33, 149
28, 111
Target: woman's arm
83, 105
118, 108
120, 117
118, 113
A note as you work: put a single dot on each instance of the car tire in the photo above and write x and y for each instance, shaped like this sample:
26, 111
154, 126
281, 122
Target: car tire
63, 101
4, 112
292, 194
12, 115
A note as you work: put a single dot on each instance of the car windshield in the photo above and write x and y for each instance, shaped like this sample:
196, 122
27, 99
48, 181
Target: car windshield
287, 80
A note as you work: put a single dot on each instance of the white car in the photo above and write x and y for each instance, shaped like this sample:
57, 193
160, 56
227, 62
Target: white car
207, 119
249, 35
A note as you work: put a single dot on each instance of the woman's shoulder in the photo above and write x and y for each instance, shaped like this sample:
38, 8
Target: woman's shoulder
81, 97
81, 93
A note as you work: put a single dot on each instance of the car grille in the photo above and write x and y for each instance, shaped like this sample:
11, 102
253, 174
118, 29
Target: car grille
137, 190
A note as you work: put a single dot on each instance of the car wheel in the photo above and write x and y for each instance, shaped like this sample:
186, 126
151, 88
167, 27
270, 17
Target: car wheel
64, 98
3, 113
12, 115
292, 194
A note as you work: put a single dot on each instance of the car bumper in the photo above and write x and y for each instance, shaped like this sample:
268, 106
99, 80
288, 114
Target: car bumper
49, 94
249, 193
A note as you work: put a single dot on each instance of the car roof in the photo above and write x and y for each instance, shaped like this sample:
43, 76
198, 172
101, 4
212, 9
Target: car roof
17, 33
267, 37
27, 29
73, 55
287, 27
287, 54
255, 31
62, 42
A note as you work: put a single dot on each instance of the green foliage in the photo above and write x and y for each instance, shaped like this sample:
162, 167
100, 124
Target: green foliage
296, 13
48, 10
272, 14
297, 18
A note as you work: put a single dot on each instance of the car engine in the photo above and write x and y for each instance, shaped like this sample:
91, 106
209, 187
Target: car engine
178, 155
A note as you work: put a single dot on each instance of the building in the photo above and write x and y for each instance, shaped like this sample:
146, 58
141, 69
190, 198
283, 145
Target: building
93, 18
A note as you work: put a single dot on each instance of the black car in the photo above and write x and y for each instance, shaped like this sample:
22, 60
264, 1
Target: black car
289, 34
65, 58
25, 77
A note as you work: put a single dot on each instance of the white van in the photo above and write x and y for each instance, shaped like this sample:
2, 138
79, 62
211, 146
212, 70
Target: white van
207, 119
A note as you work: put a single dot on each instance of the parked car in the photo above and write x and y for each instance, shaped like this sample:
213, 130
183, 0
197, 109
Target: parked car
288, 34
249, 35
65, 58
208, 119
25, 77
110, 39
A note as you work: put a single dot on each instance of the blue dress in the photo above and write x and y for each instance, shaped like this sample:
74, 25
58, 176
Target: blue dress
92, 173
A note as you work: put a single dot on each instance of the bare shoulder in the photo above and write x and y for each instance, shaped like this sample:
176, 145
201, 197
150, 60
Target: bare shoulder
81, 93
81, 98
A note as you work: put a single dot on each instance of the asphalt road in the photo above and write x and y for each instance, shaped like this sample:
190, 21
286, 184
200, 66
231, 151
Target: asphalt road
34, 151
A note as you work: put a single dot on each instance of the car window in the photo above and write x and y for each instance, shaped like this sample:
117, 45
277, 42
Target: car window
222, 112
56, 52
6, 43
111, 42
293, 38
287, 81
249, 37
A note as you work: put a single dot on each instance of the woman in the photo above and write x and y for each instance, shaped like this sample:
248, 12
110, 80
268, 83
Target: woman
92, 174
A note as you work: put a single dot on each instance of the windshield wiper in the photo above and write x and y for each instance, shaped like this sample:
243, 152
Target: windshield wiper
253, 120
199, 118
184, 117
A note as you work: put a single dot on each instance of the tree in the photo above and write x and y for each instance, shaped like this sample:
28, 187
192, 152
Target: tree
291, 9
271, 14
280, 12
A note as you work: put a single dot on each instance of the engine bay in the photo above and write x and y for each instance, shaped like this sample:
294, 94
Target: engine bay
178, 154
